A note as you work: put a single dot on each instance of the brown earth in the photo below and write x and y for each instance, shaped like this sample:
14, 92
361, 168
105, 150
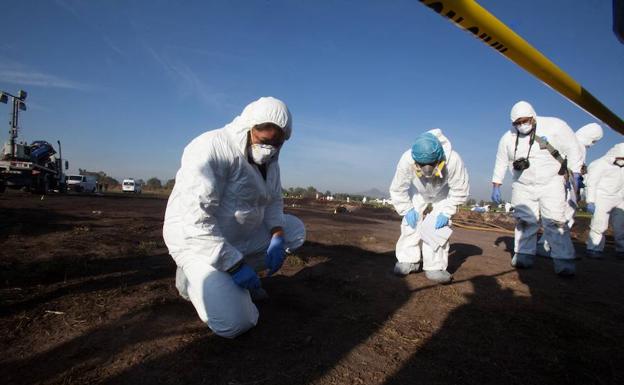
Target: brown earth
87, 296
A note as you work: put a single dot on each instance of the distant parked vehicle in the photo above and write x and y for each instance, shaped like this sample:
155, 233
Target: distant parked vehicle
82, 183
130, 185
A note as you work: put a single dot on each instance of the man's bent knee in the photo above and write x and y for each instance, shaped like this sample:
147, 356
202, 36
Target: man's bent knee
233, 328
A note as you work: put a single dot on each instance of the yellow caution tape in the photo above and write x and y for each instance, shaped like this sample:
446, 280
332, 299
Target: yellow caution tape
470, 16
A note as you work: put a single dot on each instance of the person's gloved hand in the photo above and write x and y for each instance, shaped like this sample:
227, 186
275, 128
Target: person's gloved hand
275, 254
591, 207
246, 277
441, 221
577, 181
412, 218
496, 194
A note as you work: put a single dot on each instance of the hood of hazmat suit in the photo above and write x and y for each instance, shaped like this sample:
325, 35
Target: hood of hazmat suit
220, 199
586, 137
447, 190
605, 180
589, 134
522, 109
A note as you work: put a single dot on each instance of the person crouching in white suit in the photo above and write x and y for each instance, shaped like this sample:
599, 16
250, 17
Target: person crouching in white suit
224, 219
428, 173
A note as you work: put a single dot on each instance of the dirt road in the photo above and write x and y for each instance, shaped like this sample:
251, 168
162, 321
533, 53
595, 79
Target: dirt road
87, 296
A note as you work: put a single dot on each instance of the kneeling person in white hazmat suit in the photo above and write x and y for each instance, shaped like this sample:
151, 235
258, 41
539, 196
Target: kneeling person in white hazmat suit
225, 219
429, 173
538, 151
605, 200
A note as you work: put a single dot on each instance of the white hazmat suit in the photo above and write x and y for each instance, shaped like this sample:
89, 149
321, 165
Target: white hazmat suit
220, 211
409, 191
605, 189
538, 192
586, 137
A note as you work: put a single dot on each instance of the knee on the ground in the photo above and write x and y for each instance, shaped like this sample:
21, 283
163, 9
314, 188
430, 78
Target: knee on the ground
295, 231
233, 327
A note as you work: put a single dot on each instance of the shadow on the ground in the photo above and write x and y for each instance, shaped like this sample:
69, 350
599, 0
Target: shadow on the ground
565, 331
86, 276
314, 318
35, 221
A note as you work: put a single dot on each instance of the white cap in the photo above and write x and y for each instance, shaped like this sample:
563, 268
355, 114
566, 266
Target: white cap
522, 109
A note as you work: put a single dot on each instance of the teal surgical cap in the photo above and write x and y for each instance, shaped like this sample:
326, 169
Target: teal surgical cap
427, 149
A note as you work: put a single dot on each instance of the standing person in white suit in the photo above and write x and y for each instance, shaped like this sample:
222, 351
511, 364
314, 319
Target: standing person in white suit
225, 219
605, 200
538, 151
586, 137
429, 173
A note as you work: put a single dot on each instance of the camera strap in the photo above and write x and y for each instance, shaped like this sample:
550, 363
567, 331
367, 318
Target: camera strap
555, 154
531, 141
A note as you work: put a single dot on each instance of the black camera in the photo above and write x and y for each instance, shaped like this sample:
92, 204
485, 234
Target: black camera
521, 164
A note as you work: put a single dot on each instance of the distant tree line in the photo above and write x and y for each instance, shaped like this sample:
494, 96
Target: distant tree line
155, 184
152, 184
101, 177
310, 192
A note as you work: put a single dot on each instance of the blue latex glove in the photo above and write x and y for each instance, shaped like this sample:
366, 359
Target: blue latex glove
577, 181
441, 221
591, 207
496, 194
275, 254
246, 278
412, 218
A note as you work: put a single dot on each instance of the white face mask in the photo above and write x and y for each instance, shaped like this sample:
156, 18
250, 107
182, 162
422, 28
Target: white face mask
524, 128
262, 153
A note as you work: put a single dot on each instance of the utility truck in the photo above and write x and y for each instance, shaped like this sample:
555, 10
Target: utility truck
36, 167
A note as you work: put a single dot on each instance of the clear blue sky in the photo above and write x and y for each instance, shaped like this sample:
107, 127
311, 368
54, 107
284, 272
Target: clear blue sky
126, 84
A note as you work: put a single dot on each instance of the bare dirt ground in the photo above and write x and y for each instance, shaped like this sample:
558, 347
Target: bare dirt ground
87, 296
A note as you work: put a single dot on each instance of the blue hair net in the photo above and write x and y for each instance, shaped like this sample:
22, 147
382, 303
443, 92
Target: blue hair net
427, 149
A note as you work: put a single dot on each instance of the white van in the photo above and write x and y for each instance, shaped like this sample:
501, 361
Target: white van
130, 185
82, 183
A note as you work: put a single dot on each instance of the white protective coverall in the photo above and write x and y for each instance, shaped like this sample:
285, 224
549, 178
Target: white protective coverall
538, 191
605, 189
408, 191
586, 137
220, 211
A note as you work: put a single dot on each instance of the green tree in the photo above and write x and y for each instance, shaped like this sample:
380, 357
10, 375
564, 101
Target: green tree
153, 184
169, 185
100, 177
310, 192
